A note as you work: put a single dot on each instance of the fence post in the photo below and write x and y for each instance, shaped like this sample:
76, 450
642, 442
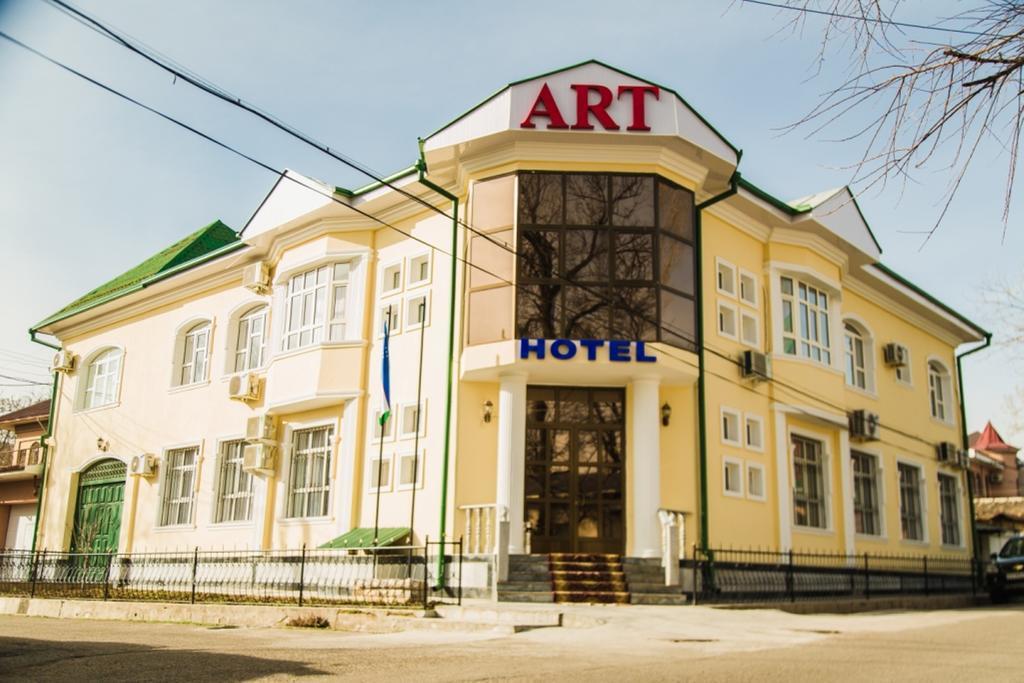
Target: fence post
867, 579
106, 578
975, 563
790, 578
302, 574
924, 560
195, 568
35, 571
695, 574
460, 572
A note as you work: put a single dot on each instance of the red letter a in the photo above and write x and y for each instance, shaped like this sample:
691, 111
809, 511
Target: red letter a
544, 105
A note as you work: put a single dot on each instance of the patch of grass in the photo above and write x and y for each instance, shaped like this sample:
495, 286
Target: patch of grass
309, 621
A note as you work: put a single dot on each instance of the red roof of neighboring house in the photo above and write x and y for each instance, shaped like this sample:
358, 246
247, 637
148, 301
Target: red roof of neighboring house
989, 440
37, 412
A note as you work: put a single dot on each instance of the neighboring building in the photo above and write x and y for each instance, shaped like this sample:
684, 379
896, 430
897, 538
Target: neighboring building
997, 520
20, 469
604, 236
995, 468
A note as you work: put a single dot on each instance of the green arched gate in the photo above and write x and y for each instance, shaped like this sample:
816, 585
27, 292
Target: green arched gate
97, 523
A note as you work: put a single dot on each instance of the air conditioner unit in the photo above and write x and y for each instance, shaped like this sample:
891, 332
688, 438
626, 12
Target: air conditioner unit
947, 452
258, 458
244, 387
143, 465
864, 425
895, 355
256, 277
261, 429
63, 361
754, 365
965, 459
995, 477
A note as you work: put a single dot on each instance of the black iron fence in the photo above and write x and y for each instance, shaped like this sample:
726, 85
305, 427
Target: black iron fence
392, 576
728, 575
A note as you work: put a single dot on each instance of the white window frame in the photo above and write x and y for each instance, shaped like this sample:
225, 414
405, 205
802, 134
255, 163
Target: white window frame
401, 417
753, 288
749, 418
329, 475
957, 508
908, 380
756, 467
731, 308
321, 324
738, 421
162, 497
390, 428
87, 380
371, 472
823, 341
410, 306
400, 459
412, 265
220, 485
826, 474
922, 493
727, 462
939, 374
386, 280
867, 341
243, 317
879, 484
730, 290
188, 360
754, 341
396, 318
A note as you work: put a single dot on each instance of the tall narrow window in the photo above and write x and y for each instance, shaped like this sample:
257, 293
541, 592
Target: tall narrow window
910, 503
339, 300
178, 495
805, 321
234, 485
865, 493
309, 478
102, 379
808, 484
856, 361
949, 510
195, 352
938, 391
251, 341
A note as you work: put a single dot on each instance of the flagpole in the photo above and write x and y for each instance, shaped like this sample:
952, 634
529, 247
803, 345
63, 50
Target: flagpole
385, 382
419, 416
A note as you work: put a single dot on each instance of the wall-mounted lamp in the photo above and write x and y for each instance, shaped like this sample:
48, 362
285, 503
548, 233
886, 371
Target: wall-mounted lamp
666, 413
488, 411
102, 444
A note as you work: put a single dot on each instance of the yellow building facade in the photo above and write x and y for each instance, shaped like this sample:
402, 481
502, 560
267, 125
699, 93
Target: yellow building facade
600, 333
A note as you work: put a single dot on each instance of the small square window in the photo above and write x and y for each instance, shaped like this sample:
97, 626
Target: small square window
412, 420
419, 270
726, 275
391, 281
380, 473
755, 482
392, 315
409, 467
732, 477
726, 320
416, 313
389, 427
748, 289
755, 433
730, 426
749, 329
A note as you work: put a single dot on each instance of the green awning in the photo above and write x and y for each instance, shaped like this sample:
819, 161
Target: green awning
363, 538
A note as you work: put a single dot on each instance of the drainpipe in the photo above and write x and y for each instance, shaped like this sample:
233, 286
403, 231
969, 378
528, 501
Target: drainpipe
42, 440
421, 166
701, 386
963, 435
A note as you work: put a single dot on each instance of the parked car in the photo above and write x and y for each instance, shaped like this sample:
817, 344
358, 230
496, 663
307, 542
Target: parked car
1006, 573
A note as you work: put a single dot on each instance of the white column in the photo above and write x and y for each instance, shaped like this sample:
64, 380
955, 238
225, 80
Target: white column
846, 484
783, 493
645, 412
512, 455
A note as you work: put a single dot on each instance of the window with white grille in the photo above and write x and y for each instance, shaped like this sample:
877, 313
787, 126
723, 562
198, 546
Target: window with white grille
177, 497
309, 474
234, 485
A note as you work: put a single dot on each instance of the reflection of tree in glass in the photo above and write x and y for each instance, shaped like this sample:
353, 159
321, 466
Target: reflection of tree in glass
540, 199
632, 200
586, 199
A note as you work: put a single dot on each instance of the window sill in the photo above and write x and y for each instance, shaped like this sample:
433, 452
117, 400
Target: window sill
344, 344
758, 499
807, 361
231, 525
946, 546
915, 543
734, 494
409, 487
173, 528
876, 538
97, 409
182, 388
867, 393
813, 530
299, 521
261, 371
942, 423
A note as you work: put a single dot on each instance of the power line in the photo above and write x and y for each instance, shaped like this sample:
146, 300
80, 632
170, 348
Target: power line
871, 20
369, 216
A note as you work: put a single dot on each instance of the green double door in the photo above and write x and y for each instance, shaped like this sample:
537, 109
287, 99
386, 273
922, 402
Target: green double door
97, 525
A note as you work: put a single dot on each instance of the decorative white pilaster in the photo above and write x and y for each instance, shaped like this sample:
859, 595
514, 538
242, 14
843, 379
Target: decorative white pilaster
784, 494
512, 456
645, 493
846, 488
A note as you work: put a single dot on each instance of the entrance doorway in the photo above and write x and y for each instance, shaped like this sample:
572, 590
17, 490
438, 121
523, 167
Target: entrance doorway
575, 466
97, 525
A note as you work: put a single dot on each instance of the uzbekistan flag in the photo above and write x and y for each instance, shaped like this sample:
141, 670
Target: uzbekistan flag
385, 375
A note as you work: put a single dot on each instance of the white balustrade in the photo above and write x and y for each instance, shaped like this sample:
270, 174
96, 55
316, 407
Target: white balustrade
479, 533
673, 543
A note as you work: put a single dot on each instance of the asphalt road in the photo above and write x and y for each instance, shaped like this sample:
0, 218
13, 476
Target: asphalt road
670, 644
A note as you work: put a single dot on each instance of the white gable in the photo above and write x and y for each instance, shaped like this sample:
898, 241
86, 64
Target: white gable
292, 196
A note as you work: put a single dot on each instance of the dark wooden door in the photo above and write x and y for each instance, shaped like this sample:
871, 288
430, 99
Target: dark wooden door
575, 469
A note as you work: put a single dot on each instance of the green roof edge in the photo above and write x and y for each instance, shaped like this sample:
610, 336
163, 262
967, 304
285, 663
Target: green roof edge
917, 290
771, 199
377, 183
141, 284
736, 150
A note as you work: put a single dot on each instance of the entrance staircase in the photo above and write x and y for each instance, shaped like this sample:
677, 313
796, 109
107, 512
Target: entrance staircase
583, 578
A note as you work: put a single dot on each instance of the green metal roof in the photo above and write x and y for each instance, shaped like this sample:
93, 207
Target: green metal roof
363, 538
203, 244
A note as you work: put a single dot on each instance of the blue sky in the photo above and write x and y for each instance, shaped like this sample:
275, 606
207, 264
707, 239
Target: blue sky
90, 186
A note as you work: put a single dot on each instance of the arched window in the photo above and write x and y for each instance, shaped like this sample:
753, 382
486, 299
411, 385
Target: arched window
251, 341
102, 379
194, 353
939, 392
858, 356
